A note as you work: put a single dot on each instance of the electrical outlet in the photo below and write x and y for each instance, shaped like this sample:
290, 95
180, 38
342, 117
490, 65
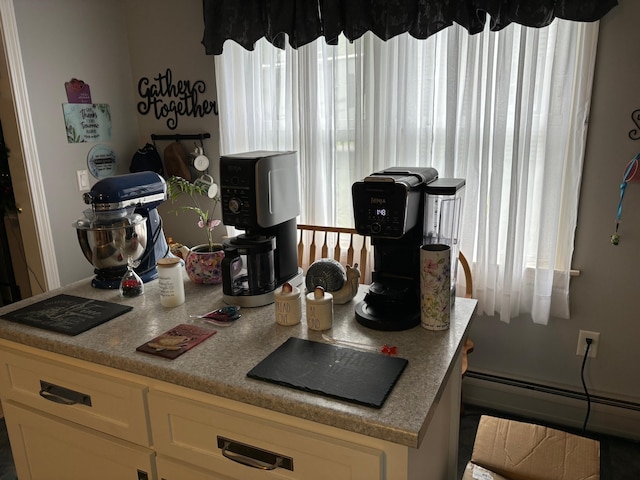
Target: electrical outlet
582, 343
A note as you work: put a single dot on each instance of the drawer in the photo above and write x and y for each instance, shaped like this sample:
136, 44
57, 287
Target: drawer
104, 403
171, 469
45, 447
206, 436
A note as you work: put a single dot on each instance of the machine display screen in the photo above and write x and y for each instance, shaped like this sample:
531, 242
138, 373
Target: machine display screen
380, 209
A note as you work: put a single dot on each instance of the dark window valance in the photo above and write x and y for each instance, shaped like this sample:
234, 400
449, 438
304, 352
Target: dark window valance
302, 21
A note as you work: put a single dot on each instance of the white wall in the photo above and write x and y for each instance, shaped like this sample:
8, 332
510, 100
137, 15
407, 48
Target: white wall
167, 34
109, 45
604, 298
85, 39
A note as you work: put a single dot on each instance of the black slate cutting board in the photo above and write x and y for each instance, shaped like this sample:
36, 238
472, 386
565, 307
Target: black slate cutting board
356, 376
67, 314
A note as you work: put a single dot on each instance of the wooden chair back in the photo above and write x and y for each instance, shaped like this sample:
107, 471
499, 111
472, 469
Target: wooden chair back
348, 247
468, 343
468, 280
344, 245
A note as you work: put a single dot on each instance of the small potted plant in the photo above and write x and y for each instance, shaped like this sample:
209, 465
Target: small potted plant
202, 262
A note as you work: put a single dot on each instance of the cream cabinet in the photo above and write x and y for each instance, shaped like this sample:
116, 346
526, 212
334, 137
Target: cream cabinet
49, 448
197, 435
72, 419
231, 444
68, 422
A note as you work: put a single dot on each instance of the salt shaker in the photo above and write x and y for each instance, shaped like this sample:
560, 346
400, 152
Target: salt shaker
171, 282
319, 309
288, 305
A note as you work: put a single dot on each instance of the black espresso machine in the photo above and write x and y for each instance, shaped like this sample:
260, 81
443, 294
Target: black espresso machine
389, 206
260, 195
122, 226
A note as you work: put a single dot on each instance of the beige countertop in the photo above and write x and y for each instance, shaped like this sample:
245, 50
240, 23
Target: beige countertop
219, 365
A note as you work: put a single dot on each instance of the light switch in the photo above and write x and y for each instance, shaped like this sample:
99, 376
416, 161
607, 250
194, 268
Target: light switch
83, 180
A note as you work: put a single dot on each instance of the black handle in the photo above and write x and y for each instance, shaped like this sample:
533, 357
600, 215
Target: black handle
57, 394
252, 456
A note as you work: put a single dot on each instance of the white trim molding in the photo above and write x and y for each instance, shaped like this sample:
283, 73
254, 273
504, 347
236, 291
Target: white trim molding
15, 66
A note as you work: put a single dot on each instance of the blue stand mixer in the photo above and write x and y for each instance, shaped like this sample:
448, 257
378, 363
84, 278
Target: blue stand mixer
123, 226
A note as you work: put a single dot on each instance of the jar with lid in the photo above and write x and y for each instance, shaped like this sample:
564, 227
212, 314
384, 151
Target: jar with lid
171, 282
288, 304
319, 309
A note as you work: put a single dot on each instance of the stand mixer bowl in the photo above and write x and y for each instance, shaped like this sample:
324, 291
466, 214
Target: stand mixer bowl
108, 243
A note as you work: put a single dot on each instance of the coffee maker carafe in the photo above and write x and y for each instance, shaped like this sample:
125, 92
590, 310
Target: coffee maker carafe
260, 195
388, 206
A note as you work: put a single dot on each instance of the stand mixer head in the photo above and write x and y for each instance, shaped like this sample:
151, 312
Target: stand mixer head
123, 223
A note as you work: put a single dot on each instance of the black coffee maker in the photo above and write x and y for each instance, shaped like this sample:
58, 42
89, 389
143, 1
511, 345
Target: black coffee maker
260, 195
389, 206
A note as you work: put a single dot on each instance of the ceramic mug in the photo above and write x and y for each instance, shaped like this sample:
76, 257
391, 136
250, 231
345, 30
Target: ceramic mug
206, 182
199, 160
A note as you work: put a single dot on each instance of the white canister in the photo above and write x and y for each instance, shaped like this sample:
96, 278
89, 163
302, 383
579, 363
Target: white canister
171, 282
319, 309
288, 305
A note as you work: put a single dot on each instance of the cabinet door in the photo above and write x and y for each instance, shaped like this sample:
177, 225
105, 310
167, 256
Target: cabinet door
101, 402
200, 434
48, 448
169, 469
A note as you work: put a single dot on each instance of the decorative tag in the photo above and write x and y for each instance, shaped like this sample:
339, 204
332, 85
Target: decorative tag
77, 91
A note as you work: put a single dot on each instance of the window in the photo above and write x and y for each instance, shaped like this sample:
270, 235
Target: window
505, 110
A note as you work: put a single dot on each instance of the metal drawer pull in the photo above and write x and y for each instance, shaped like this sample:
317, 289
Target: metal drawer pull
58, 394
252, 456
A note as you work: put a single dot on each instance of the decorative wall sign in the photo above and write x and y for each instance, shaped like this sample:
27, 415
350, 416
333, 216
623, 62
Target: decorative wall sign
101, 161
169, 100
77, 91
635, 133
87, 122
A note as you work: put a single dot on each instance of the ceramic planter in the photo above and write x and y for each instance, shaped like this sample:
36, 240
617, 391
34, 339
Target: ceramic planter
203, 266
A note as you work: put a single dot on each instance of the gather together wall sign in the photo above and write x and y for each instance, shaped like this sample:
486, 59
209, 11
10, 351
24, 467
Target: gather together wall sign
168, 99
635, 118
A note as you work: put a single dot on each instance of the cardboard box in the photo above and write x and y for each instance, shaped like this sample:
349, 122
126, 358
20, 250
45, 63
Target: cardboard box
510, 450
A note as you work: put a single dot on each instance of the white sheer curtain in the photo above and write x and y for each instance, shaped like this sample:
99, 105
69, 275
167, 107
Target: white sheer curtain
505, 110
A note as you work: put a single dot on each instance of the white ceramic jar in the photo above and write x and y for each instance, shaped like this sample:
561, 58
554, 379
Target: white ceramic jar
319, 310
288, 305
171, 282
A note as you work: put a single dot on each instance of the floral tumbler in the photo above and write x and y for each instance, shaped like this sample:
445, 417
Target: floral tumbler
435, 286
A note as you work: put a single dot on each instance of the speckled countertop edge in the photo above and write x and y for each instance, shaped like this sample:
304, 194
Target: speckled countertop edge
219, 365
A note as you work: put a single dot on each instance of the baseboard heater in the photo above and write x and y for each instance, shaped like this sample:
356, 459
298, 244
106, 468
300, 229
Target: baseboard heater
538, 387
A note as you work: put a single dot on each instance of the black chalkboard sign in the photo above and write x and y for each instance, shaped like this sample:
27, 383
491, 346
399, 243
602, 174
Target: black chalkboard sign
365, 378
67, 314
